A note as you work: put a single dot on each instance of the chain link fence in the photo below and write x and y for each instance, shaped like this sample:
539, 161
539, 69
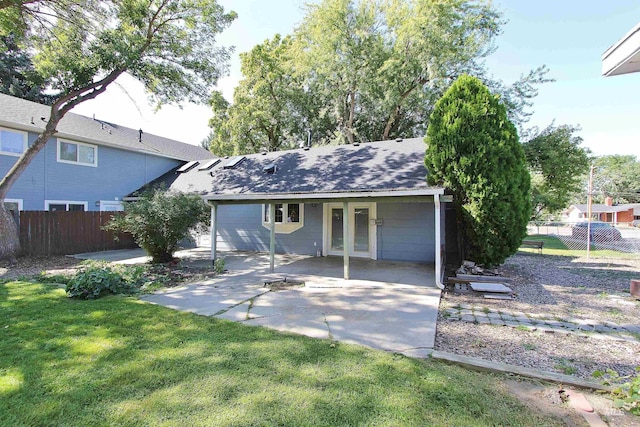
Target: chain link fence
606, 239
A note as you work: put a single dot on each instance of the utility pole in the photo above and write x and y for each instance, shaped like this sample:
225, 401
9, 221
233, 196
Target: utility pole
589, 203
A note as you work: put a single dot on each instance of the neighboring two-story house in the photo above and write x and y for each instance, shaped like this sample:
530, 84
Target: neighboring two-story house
89, 165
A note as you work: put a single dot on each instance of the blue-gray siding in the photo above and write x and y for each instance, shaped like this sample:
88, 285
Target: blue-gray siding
118, 173
240, 228
407, 232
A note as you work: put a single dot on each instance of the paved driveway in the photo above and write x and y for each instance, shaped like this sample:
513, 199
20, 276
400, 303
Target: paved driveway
387, 305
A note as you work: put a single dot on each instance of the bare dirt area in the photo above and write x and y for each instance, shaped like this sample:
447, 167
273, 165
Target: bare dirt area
168, 275
556, 288
31, 266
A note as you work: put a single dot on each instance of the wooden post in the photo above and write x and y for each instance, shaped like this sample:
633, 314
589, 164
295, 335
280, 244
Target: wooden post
345, 238
214, 232
438, 238
272, 242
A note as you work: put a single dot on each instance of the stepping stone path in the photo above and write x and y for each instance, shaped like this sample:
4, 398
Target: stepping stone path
543, 323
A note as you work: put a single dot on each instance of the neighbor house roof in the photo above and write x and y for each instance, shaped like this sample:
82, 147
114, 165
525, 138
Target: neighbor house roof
600, 208
25, 115
624, 56
385, 168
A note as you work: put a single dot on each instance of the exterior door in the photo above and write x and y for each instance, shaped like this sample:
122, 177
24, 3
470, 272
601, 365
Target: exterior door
362, 229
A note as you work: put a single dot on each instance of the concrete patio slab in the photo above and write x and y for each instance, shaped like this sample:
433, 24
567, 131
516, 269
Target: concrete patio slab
391, 306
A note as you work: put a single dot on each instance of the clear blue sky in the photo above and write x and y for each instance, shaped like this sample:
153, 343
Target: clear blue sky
568, 36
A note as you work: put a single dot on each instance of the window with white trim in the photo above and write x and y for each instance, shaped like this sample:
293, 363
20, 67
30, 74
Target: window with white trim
289, 217
12, 142
65, 205
77, 153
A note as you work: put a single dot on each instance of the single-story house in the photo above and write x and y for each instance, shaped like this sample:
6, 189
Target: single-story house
305, 201
607, 212
89, 165
624, 56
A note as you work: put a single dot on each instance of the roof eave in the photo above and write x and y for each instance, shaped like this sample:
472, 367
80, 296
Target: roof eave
78, 138
263, 197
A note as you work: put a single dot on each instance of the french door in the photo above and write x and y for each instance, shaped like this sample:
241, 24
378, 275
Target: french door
362, 229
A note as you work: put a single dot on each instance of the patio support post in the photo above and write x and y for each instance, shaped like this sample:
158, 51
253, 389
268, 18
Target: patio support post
272, 239
345, 238
438, 240
214, 231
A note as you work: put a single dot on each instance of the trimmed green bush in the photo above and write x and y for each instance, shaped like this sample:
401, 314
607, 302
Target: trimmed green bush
473, 150
159, 219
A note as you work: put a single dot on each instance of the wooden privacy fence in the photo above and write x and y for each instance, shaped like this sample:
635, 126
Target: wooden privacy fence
64, 233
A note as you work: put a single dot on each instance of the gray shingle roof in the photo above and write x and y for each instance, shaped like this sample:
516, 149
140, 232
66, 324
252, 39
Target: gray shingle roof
26, 115
368, 167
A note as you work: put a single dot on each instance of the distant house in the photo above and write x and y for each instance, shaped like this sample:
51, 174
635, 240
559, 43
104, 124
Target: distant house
374, 193
88, 165
607, 212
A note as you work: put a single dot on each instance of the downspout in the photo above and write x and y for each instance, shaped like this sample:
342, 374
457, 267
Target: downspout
438, 239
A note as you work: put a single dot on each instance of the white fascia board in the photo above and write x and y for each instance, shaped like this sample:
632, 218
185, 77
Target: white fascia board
311, 196
624, 56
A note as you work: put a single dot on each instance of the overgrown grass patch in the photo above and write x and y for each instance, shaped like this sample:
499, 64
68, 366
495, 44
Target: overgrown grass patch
119, 361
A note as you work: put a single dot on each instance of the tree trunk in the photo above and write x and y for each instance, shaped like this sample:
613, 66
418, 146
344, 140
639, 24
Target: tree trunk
9, 238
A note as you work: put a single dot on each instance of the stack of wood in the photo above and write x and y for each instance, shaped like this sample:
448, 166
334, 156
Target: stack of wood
487, 283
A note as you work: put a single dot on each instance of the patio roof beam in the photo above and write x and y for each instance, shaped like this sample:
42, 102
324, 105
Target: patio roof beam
285, 199
358, 195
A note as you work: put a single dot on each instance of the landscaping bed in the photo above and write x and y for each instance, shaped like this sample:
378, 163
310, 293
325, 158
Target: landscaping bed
557, 288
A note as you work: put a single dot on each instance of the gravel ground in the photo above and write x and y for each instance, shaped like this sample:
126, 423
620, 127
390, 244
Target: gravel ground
556, 287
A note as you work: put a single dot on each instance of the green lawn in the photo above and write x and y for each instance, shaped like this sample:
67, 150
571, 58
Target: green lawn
119, 361
555, 246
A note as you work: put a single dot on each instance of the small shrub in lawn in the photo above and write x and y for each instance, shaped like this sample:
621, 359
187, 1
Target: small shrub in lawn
218, 266
95, 279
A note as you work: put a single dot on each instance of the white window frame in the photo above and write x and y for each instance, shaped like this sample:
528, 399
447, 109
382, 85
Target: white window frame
18, 201
24, 142
106, 205
47, 203
79, 144
284, 227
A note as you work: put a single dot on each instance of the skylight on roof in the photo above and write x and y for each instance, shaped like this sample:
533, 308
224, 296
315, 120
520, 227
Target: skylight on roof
187, 167
209, 165
233, 162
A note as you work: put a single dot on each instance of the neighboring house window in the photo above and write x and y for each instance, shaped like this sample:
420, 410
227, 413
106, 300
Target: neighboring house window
12, 142
288, 216
77, 153
64, 205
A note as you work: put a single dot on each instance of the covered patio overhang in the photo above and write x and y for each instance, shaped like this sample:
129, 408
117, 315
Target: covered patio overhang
430, 195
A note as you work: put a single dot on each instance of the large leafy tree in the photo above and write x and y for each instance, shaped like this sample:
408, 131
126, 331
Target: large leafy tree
557, 163
82, 47
473, 150
617, 176
270, 105
364, 70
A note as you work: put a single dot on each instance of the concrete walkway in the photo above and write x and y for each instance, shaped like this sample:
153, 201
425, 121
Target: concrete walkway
390, 306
